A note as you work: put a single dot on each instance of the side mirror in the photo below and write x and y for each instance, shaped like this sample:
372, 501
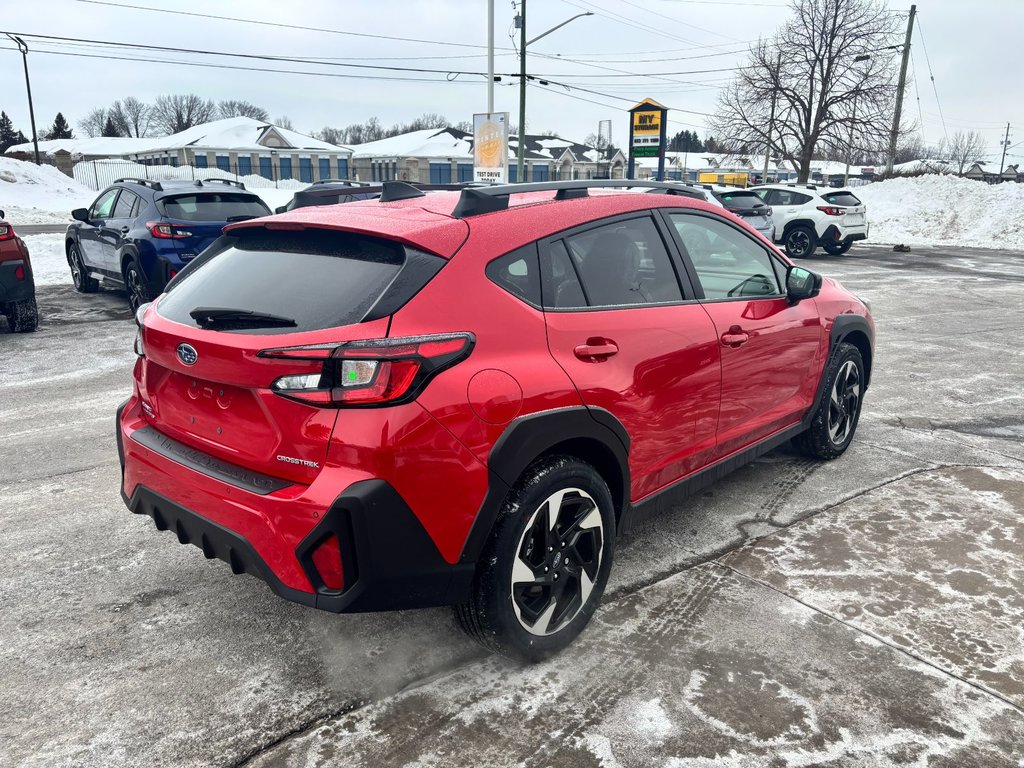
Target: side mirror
80, 214
1, 214
281, 209
801, 284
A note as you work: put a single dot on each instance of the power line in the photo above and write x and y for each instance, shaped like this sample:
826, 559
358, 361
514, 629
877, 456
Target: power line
678, 21
920, 31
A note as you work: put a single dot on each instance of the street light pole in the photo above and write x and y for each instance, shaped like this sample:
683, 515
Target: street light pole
856, 95
490, 56
523, 42
28, 88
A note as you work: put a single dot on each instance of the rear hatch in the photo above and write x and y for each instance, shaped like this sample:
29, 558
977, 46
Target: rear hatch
748, 206
197, 218
203, 382
855, 213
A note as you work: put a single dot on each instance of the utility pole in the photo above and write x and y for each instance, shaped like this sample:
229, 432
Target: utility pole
490, 56
1006, 143
894, 135
771, 120
23, 47
520, 162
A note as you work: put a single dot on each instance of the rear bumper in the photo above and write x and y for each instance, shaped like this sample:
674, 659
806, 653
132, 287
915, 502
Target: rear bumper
13, 288
388, 560
844, 235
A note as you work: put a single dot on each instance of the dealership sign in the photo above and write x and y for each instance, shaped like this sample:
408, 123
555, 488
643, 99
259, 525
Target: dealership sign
490, 147
647, 129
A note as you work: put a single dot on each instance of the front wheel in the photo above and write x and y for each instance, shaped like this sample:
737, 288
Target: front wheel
800, 242
837, 249
836, 417
135, 284
79, 273
542, 574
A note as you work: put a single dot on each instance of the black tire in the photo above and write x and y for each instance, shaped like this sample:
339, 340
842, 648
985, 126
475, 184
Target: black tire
836, 418
500, 609
135, 285
79, 275
800, 242
23, 315
837, 249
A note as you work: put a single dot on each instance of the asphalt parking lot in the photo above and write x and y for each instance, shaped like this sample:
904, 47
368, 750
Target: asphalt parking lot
863, 612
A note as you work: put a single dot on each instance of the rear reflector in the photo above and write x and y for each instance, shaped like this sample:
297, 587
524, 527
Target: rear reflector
368, 373
19, 272
327, 560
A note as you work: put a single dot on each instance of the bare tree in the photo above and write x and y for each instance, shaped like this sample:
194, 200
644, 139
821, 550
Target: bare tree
284, 122
964, 149
177, 112
133, 117
93, 123
822, 97
240, 108
330, 135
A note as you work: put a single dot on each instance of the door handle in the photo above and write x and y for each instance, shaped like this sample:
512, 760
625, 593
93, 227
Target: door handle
596, 350
125, 230
735, 337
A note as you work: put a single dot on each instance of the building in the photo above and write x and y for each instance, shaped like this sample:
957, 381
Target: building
445, 155
237, 145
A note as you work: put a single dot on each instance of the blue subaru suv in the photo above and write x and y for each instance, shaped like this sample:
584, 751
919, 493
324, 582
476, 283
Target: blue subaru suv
138, 233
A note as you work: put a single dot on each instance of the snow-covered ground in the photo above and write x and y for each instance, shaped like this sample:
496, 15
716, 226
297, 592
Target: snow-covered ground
945, 210
49, 265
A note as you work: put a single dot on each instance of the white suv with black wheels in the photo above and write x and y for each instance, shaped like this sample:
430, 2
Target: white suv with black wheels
807, 216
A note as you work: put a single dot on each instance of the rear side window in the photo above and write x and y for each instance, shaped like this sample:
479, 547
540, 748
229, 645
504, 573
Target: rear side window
220, 206
786, 197
517, 273
125, 203
841, 198
318, 279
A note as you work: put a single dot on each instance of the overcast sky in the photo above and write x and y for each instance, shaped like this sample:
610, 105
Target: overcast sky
977, 76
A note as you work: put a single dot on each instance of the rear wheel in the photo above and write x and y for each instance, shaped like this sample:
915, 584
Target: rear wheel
542, 575
135, 284
835, 420
800, 242
23, 315
837, 248
79, 274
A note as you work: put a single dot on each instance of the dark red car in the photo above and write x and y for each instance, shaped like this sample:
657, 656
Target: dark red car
17, 287
462, 399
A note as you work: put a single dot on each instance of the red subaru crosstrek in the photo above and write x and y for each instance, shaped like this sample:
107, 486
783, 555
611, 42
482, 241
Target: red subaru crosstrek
462, 399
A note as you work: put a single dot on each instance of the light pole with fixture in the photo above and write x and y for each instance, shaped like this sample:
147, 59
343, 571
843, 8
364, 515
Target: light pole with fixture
23, 47
856, 94
523, 43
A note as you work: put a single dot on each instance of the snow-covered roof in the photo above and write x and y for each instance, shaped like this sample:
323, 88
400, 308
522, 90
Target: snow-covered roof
233, 133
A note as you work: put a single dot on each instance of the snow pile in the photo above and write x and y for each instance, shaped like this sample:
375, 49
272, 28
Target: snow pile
39, 194
49, 264
103, 173
945, 210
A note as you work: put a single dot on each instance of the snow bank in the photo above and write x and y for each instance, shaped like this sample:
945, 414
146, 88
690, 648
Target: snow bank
102, 173
945, 210
39, 194
49, 264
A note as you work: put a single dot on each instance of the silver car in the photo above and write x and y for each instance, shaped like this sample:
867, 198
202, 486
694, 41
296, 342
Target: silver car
748, 206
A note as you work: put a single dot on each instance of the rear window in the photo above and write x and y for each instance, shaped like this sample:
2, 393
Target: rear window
318, 279
219, 206
840, 198
739, 199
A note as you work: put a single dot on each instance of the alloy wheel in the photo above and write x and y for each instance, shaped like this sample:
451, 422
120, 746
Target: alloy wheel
136, 291
844, 402
799, 243
76, 268
557, 561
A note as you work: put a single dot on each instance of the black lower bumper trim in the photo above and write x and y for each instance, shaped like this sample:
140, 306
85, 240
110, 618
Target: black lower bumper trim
13, 288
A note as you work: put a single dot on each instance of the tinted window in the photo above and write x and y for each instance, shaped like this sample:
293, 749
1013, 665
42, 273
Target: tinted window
517, 273
104, 204
221, 206
319, 279
728, 263
840, 198
624, 263
786, 197
562, 289
125, 203
739, 200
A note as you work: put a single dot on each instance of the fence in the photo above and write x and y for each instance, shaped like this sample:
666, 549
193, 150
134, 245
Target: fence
100, 174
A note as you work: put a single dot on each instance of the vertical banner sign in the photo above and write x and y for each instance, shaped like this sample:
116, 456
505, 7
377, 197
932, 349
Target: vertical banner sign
647, 134
490, 147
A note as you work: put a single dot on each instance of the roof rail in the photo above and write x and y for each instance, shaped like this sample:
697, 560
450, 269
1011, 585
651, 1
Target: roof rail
230, 182
350, 182
155, 185
479, 200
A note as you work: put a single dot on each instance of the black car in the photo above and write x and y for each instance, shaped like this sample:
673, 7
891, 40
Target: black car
139, 233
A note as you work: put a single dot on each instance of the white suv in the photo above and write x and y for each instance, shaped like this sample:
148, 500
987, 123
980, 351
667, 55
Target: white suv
807, 216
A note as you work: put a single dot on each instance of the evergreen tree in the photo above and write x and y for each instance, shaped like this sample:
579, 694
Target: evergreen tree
109, 128
21, 138
8, 137
60, 129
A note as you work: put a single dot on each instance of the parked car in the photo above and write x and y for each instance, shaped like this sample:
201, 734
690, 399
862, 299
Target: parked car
138, 234
336, 191
748, 206
17, 285
463, 399
807, 216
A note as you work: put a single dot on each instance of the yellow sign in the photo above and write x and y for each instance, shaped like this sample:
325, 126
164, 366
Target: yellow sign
647, 123
490, 147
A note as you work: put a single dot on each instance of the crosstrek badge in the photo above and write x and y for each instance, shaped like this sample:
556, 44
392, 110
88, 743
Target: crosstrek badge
302, 462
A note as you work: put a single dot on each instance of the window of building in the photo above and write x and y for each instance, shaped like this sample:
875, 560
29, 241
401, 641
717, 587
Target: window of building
325, 167
285, 164
306, 169
465, 172
266, 168
224, 162
244, 165
342, 167
201, 161
540, 173
440, 173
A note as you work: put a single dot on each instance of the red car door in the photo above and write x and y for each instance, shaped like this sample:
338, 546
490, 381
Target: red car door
635, 344
770, 350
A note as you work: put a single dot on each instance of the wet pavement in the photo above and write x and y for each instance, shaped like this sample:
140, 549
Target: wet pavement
862, 612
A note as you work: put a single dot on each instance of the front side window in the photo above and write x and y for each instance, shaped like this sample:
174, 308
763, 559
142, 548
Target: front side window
729, 264
104, 204
622, 264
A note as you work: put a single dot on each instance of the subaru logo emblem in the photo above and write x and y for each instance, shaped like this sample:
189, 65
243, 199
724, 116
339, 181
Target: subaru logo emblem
187, 354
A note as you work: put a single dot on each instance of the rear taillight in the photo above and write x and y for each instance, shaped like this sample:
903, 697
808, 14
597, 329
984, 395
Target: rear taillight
6, 232
831, 210
369, 373
166, 231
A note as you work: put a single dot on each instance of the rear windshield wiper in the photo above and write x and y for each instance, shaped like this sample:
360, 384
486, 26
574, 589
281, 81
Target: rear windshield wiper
242, 217
209, 317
